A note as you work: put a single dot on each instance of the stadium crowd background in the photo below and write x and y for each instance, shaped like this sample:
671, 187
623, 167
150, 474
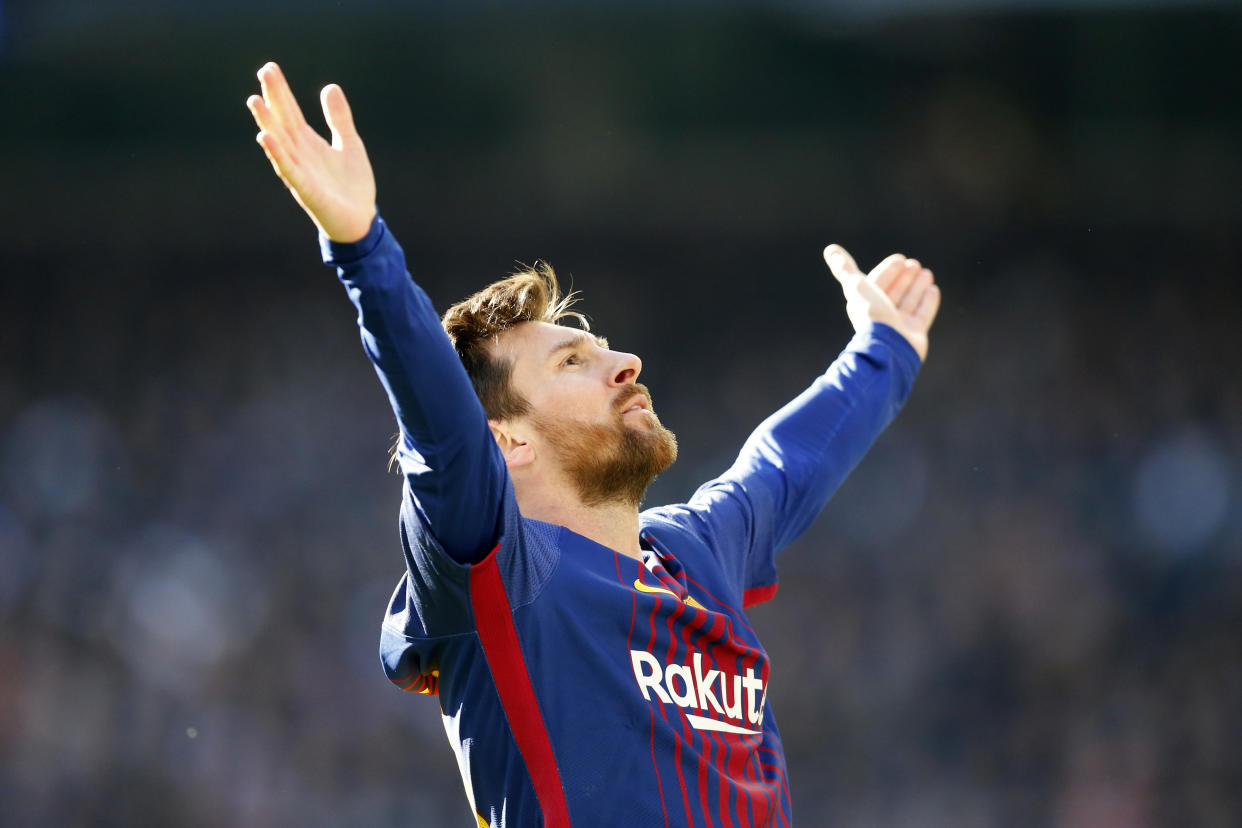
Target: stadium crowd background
1023, 608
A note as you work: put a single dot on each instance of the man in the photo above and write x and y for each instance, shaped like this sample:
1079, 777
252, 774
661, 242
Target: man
593, 663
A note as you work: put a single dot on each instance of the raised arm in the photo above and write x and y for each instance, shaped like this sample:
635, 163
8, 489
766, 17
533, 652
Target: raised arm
804, 452
797, 458
452, 468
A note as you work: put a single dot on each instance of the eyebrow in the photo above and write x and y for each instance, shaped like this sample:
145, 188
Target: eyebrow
576, 341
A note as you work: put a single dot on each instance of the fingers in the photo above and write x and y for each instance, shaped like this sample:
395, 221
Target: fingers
886, 272
282, 161
271, 137
909, 301
281, 105
905, 277
339, 116
898, 292
929, 304
280, 122
262, 116
842, 265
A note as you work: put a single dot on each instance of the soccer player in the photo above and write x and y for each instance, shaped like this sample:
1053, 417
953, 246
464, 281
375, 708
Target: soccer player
592, 662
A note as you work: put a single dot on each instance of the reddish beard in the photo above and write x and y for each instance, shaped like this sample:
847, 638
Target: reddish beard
615, 462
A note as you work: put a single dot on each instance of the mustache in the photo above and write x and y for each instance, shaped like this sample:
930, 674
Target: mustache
627, 393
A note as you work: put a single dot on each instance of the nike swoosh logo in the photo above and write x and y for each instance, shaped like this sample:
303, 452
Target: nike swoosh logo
652, 590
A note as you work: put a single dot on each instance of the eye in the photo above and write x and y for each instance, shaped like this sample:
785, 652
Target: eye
572, 359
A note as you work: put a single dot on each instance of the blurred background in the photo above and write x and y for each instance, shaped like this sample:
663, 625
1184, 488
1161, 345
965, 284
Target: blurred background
1023, 608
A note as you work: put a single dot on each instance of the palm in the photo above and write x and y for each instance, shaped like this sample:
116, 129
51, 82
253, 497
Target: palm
898, 292
333, 182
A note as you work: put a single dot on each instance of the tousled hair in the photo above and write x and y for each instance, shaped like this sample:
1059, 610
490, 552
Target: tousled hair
530, 294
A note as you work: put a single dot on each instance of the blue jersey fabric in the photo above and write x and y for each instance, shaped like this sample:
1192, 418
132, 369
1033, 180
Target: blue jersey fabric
577, 685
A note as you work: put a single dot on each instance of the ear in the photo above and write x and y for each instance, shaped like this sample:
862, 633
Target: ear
516, 449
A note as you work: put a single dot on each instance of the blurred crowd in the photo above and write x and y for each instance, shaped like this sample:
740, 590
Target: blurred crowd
1020, 610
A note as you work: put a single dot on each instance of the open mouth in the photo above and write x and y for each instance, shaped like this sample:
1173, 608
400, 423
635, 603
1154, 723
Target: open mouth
636, 403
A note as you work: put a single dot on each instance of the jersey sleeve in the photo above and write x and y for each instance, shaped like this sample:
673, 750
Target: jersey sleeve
454, 475
796, 459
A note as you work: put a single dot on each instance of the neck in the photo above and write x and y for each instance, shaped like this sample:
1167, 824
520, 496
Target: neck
614, 525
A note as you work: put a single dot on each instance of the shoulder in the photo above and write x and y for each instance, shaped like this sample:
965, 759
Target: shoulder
677, 518
529, 553
685, 531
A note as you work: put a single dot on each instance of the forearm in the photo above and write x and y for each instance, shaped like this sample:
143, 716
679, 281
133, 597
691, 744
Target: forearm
805, 450
446, 451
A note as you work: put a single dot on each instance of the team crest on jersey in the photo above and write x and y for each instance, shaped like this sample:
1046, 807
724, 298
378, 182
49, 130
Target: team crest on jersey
738, 698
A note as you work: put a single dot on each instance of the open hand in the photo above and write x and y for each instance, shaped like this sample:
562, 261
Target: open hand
333, 182
898, 292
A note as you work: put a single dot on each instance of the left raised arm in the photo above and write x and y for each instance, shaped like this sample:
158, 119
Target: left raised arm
798, 457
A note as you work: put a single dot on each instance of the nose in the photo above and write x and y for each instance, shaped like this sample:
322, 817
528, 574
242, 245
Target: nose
627, 369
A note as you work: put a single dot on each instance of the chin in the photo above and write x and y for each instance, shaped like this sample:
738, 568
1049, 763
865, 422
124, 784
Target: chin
611, 463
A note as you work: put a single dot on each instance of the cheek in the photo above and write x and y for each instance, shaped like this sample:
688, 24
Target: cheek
572, 401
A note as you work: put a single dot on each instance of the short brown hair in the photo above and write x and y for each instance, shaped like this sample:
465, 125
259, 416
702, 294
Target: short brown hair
530, 294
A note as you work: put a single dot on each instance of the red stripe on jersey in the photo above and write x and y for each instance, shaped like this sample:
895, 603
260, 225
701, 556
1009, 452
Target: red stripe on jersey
493, 618
685, 798
687, 733
427, 685
727, 784
705, 759
762, 797
777, 786
656, 766
750, 782
741, 781
629, 645
737, 616
725, 745
782, 787
757, 595
694, 737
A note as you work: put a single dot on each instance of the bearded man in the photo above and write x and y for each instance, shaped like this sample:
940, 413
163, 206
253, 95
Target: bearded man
593, 663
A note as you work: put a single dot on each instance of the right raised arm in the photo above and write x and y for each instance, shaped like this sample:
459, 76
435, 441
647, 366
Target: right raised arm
452, 466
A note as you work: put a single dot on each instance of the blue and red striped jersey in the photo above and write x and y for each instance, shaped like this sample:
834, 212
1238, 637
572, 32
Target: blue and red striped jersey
579, 686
